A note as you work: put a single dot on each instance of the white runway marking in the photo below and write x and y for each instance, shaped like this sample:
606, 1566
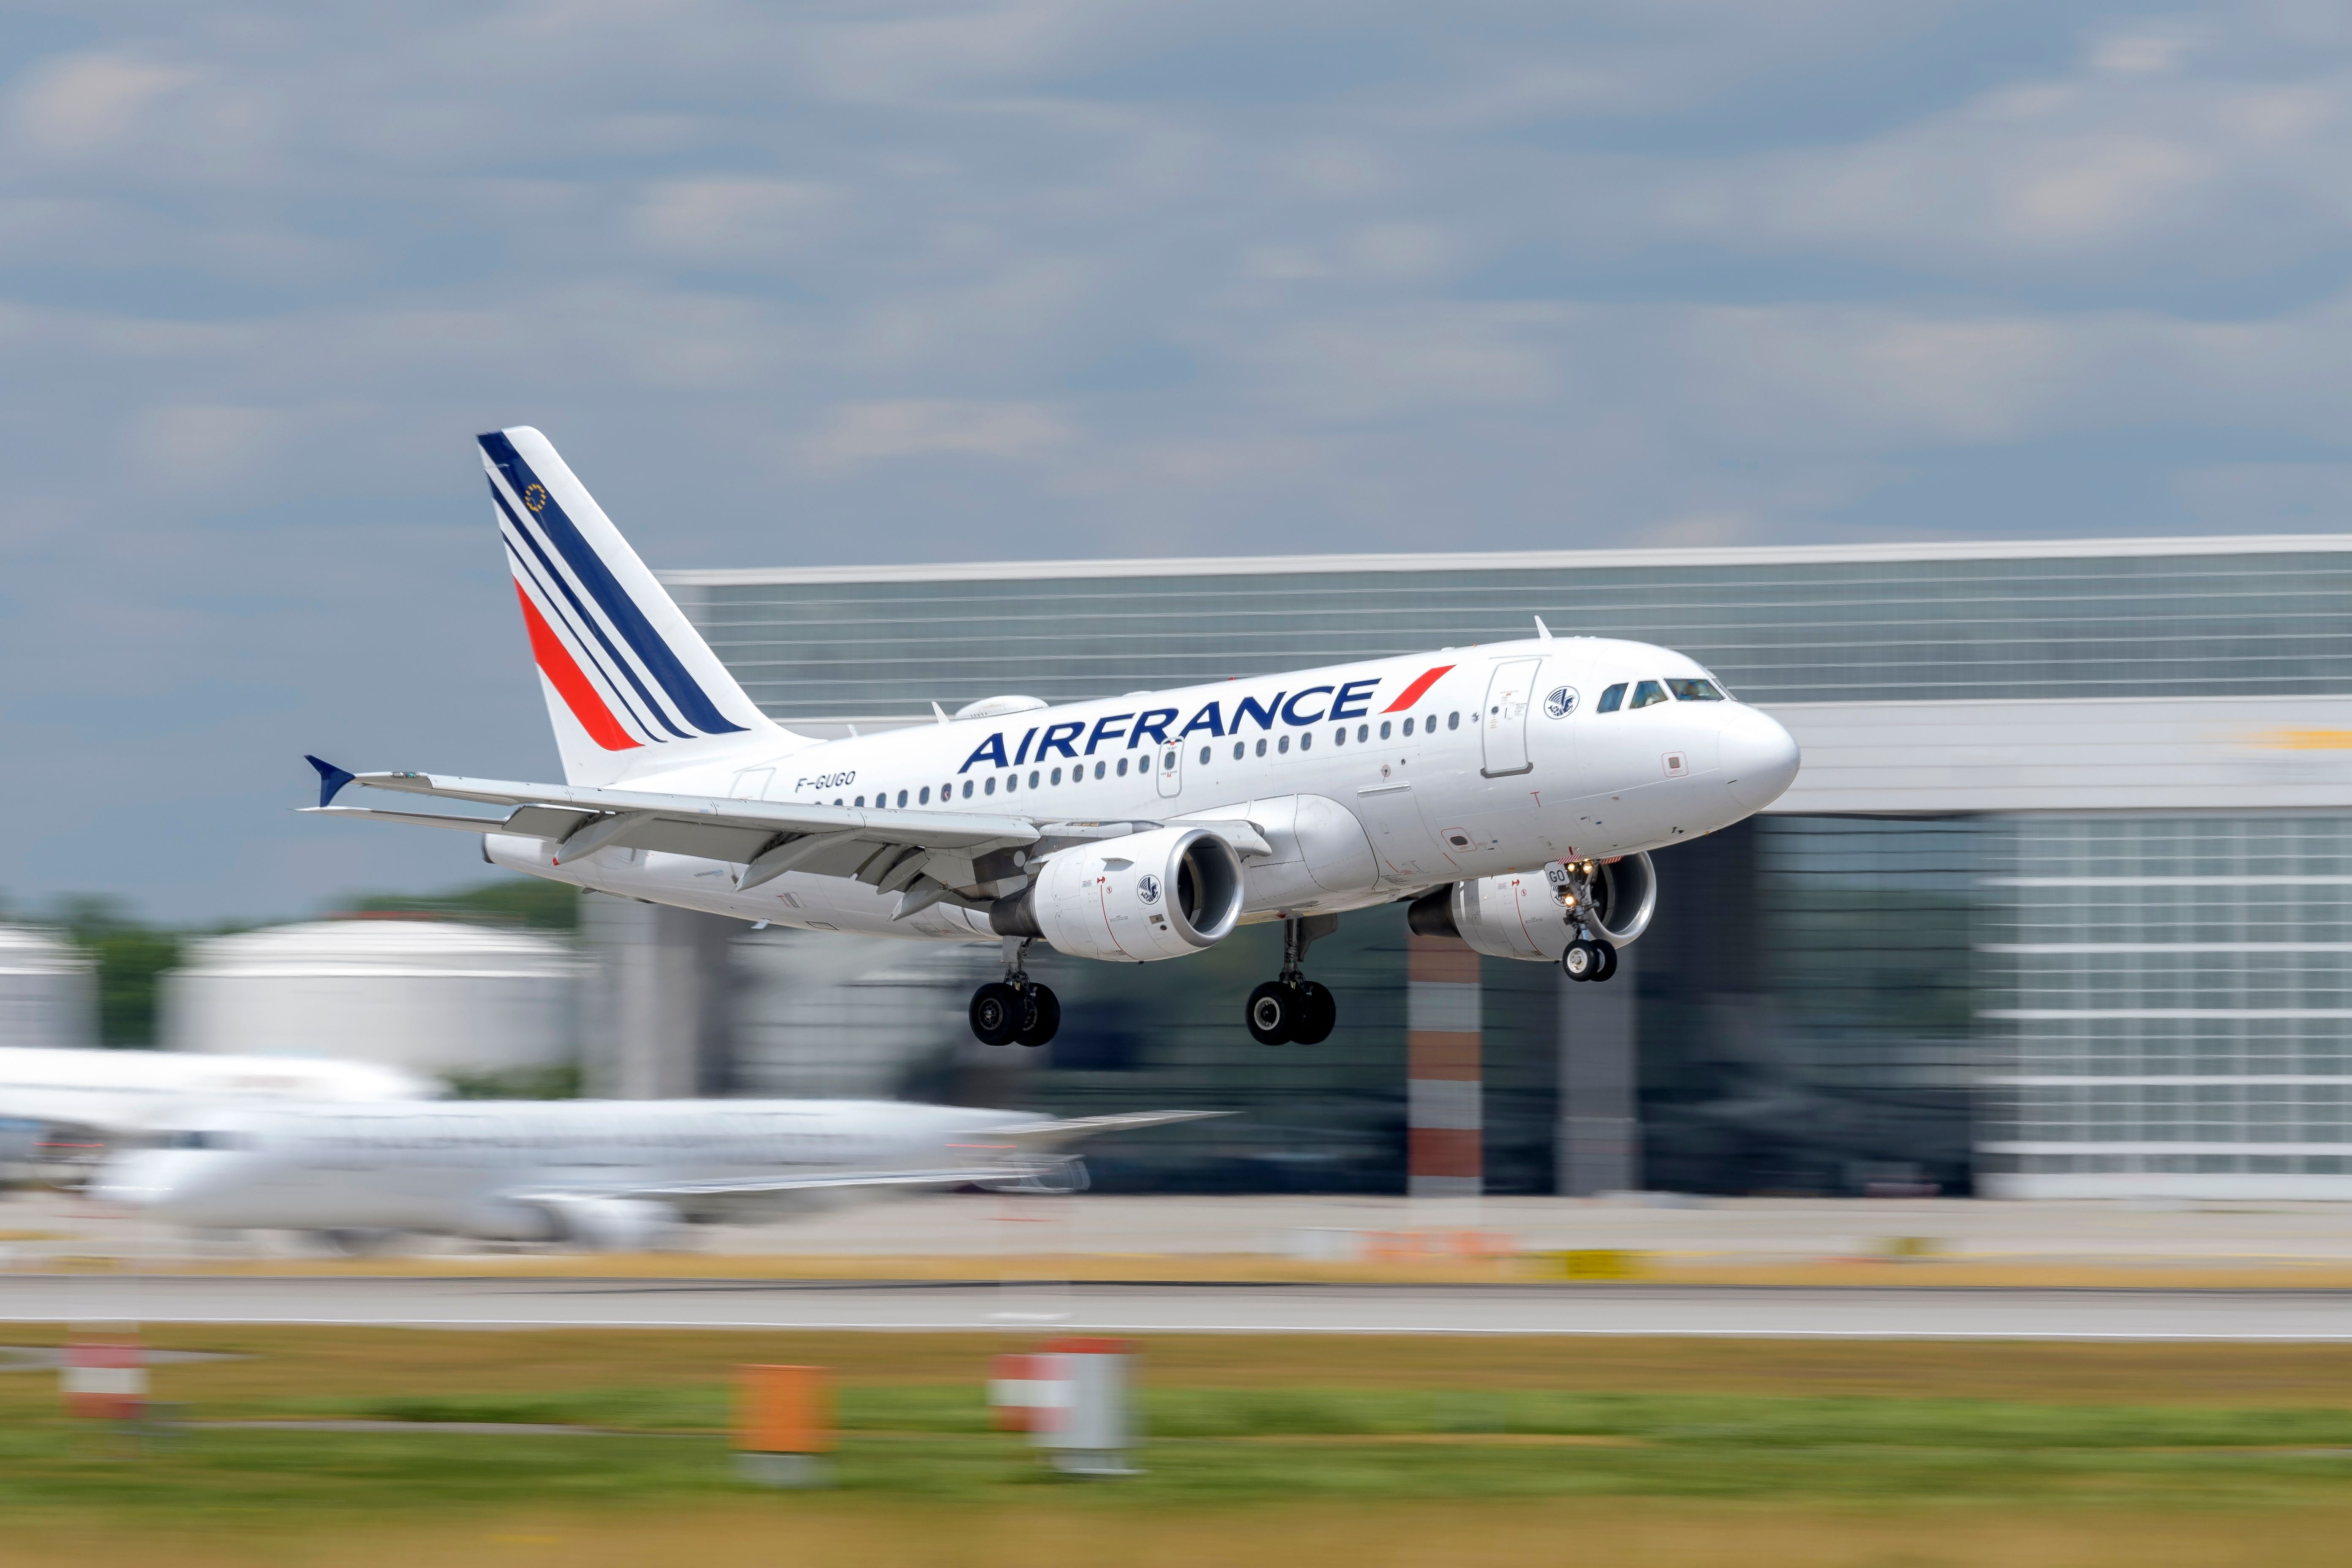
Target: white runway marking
1915, 1312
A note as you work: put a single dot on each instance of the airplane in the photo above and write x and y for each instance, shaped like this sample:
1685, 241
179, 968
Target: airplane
610, 1175
122, 1093
1510, 792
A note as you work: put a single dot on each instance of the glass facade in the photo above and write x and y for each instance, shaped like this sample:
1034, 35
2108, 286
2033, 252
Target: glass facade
1806, 1013
2170, 995
1797, 631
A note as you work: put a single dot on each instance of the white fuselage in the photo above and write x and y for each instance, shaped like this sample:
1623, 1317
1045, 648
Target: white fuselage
521, 1170
112, 1091
1366, 781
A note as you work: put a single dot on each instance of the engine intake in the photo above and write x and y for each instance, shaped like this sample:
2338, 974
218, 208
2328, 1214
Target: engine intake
1168, 893
1518, 915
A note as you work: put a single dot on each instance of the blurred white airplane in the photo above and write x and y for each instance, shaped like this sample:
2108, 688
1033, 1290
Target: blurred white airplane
613, 1175
127, 1092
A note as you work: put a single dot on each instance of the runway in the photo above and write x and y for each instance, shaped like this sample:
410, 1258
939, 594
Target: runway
1914, 1312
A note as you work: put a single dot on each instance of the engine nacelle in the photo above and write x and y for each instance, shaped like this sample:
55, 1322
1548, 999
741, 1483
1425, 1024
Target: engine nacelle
599, 1225
1168, 893
1519, 916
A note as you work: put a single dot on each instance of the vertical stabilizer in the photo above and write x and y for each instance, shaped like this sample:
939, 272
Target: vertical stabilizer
631, 686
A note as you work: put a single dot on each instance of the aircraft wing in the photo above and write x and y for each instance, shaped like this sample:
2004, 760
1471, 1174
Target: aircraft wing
1035, 1144
926, 855
1043, 1135
749, 1186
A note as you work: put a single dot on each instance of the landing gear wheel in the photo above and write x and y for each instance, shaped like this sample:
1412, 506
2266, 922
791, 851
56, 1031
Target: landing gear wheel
1607, 961
1582, 961
996, 1013
1040, 1016
1318, 1010
1273, 1013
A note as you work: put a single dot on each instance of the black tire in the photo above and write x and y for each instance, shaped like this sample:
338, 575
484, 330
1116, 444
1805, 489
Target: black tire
1041, 1016
1581, 960
1608, 970
1318, 1010
995, 1013
1271, 1013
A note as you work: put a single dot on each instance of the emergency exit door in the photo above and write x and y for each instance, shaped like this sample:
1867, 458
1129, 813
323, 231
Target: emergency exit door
1502, 726
1171, 770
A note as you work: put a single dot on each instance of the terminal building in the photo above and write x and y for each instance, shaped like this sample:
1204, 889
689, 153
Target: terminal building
2061, 904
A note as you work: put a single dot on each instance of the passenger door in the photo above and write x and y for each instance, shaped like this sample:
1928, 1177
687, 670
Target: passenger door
1503, 725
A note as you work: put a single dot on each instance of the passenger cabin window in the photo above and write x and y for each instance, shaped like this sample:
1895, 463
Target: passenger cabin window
1694, 690
1612, 699
1648, 692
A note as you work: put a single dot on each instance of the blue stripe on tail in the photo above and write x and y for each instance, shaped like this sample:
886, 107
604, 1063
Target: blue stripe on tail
610, 597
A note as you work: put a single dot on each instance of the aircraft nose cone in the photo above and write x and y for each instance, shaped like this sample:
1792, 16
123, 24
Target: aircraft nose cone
1759, 759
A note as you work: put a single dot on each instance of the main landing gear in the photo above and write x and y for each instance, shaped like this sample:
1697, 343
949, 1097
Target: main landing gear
1290, 1008
1588, 957
1015, 1007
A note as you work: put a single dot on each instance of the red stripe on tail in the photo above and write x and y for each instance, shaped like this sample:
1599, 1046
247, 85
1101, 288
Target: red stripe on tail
1411, 694
556, 663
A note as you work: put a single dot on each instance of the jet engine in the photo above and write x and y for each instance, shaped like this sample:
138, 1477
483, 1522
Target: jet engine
599, 1225
1519, 915
1168, 893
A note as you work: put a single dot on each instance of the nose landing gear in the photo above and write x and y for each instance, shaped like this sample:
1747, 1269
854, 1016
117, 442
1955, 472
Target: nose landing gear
1588, 957
1015, 1007
1291, 1009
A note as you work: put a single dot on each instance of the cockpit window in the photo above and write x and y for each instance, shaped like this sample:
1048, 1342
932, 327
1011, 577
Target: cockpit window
1694, 690
195, 1138
1649, 691
1612, 699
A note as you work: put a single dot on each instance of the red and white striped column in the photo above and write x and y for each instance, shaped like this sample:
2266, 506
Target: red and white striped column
1441, 1069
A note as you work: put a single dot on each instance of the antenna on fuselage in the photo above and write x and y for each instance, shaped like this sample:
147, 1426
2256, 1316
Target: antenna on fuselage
1543, 632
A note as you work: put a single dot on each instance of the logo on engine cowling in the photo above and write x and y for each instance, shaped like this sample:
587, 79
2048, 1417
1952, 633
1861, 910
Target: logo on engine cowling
1147, 887
1561, 703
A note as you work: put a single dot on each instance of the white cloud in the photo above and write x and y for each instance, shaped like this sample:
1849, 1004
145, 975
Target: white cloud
86, 102
732, 220
866, 433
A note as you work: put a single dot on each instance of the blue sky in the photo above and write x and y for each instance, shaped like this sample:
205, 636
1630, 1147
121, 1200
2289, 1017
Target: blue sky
877, 283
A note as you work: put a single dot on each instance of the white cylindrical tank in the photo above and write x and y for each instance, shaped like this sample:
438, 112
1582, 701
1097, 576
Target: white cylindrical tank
46, 993
433, 996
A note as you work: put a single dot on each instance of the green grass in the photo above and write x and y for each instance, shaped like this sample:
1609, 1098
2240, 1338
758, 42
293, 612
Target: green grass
1371, 1450
933, 1441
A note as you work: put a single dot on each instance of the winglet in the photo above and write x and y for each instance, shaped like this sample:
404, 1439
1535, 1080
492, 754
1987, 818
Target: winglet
940, 712
1543, 632
332, 780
